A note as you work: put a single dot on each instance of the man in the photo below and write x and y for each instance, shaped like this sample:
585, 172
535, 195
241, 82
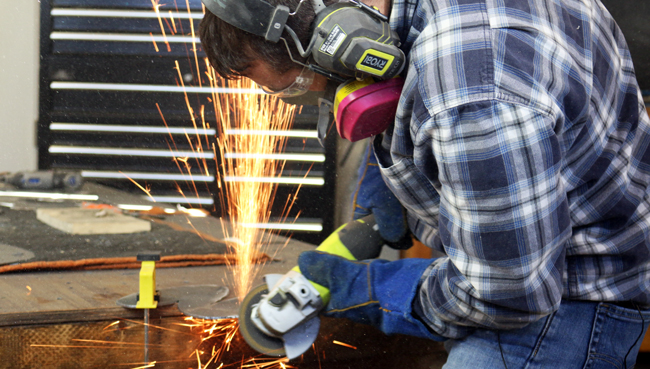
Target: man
520, 149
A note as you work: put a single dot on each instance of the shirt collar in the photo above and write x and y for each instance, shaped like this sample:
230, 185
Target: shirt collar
402, 17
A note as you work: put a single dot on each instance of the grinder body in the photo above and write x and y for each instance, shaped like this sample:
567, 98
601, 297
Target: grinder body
281, 317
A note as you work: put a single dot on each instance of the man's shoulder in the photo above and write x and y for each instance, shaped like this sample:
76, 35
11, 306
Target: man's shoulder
482, 49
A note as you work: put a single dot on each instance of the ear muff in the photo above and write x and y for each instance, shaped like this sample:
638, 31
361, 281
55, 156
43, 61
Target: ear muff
350, 41
366, 108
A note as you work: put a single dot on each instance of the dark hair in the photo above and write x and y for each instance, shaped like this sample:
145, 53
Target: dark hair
231, 50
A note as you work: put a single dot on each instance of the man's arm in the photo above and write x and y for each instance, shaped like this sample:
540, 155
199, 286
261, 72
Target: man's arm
504, 217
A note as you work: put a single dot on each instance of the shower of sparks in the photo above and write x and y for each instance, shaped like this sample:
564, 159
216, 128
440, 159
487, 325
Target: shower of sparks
210, 346
219, 334
220, 331
243, 202
248, 202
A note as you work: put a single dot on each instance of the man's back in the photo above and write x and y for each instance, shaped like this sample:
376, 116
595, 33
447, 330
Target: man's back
520, 149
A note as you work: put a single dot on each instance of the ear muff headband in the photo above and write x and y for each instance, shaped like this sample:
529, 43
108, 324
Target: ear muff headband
254, 16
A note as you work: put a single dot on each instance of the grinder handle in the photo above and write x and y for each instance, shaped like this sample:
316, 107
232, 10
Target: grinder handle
356, 240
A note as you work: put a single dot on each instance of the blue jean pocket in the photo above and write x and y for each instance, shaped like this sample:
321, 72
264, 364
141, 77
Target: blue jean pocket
617, 333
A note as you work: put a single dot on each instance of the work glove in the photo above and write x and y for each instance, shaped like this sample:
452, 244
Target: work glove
375, 292
372, 196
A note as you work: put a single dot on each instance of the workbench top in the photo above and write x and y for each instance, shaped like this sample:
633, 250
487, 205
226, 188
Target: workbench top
39, 307
66, 296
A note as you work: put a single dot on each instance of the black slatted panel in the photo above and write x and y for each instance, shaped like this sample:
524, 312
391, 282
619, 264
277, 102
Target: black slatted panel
632, 17
107, 69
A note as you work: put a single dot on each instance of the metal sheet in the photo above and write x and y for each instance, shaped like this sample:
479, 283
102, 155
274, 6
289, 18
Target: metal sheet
12, 254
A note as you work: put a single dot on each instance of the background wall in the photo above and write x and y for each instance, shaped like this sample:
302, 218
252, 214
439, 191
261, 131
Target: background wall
19, 33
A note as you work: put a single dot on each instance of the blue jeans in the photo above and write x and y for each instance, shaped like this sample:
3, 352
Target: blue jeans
580, 334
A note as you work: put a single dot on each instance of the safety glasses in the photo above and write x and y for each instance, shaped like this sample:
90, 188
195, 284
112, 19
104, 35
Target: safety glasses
301, 85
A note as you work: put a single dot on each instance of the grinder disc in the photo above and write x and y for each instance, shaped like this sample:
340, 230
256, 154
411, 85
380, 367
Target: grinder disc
257, 339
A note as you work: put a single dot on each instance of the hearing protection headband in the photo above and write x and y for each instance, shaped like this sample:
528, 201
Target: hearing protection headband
349, 38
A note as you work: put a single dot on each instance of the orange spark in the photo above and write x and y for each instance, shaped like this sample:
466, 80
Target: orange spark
263, 363
29, 289
139, 186
79, 346
155, 45
205, 127
112, 324
150, 365
195, 213
114, 342
343, 344
171, 16
169, 26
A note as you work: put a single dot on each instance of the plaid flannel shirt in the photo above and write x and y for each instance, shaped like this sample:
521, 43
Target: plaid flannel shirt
521, 150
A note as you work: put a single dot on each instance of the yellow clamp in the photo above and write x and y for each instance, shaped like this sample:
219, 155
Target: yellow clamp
147, 298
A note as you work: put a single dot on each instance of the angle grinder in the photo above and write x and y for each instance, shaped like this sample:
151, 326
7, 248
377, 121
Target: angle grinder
280, 317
